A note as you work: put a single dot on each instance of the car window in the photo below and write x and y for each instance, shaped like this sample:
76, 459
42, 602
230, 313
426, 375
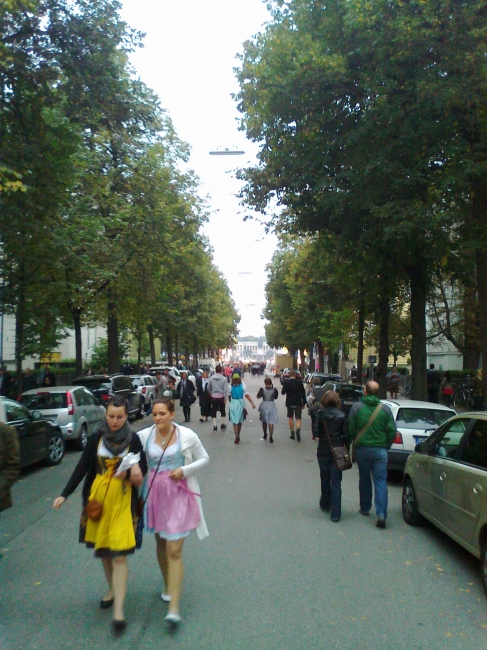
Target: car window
15, 412
122, 383
448, 442
147, 381
421, 418
89, 398
92, 383
475, 450
79, 397
349, 392
40, 401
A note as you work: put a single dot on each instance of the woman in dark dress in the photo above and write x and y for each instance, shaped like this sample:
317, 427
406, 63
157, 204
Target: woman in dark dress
204, 396
113, 534
330, 418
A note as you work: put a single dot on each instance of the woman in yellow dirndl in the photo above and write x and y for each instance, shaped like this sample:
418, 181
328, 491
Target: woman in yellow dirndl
112, 535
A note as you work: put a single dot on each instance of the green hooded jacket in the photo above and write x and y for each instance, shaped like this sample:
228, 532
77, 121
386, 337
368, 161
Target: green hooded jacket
382, 431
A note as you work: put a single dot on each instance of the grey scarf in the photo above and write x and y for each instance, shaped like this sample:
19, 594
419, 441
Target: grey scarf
115, 441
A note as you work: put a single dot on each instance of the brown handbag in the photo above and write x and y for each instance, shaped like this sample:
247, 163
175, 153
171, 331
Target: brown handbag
94, 509
340, 455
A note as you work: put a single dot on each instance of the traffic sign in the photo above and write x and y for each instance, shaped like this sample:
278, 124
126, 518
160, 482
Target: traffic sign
372, 358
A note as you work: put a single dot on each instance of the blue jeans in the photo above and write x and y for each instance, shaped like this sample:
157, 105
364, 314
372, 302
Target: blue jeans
331, 486
373, 460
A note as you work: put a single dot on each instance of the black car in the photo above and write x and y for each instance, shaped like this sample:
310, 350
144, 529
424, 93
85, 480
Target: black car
348, 393
39, 440
106, 386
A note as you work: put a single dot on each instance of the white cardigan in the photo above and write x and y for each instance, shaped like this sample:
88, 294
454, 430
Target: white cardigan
195, 457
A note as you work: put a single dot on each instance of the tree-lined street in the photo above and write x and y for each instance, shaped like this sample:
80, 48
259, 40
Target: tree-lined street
275, 572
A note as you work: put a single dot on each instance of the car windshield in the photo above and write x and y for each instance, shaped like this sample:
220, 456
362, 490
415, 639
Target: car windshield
93, 383
349, 392
41, 401
419, 418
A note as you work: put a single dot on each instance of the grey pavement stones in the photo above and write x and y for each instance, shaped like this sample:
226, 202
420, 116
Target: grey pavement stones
275, 572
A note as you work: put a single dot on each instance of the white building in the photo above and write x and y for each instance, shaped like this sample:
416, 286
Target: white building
253, 348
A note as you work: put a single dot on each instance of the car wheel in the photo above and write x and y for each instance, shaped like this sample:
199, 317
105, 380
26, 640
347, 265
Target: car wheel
483, 566
80, 443
57, 448
410, 510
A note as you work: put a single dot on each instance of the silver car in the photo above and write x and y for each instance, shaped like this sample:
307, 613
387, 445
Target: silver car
146, 387
445, 481
73, 408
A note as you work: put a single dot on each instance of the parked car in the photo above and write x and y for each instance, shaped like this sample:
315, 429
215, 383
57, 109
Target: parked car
146, 387
415, 421
39, 439
105, 386
348, 393
74, 409
173, 372
445, 481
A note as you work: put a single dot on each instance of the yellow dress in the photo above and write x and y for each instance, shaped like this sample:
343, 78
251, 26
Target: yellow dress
114, 531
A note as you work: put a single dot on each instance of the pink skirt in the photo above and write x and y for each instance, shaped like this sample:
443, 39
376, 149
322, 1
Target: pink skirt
171, 507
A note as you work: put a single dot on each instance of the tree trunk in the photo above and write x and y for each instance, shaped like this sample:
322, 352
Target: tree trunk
482, 291
176, 348
419, 288
78, 343
312, 357
360, 345
302, 365
150, 332
19, 331
112, 334
471, 349
169, 347
321, 356
384, 311
139, 349
195, 353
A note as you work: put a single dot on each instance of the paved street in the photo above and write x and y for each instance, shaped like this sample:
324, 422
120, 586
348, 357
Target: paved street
275, 572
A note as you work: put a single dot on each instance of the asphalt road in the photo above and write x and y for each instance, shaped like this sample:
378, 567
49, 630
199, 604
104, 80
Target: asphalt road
275, 572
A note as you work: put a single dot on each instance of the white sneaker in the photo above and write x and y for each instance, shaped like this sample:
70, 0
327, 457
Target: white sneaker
173, 619
165, 597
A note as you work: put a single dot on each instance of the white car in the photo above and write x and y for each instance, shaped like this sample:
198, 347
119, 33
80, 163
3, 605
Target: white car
146, 387
415, 422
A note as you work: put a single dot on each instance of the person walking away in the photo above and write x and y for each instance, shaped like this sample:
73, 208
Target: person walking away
293, 389
228, 373
237, 405
433, 382
314, 398
446, 389
393, 379
204, 396
372, 429
354, 375
49, 378
5, 381
185, 394
217, 387
330, 427
477, 391
28, 380
267, 408
173, 501
9, 465
113, 534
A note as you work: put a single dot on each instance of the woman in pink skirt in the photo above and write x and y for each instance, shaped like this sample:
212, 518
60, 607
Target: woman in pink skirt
173, 506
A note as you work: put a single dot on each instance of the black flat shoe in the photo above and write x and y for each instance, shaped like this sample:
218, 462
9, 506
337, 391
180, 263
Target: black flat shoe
105, 604
119, 625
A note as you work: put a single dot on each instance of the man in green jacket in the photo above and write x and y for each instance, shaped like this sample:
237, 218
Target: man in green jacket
372, 427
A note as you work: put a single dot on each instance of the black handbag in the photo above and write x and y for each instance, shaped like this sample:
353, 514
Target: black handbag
340, 455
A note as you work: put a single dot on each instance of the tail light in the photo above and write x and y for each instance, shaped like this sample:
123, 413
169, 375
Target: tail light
144, 390
70, 403
398, 439
105, 397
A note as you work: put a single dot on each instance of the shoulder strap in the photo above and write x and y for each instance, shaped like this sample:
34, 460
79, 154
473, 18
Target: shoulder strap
369, 423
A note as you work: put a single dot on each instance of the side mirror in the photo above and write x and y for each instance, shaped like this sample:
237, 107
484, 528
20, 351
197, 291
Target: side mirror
422, 448
36, 415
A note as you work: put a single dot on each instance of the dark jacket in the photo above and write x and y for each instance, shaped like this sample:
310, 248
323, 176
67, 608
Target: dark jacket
336, 423
382, 431
185, 396
6, 383
293, 389
87, 466
9, 463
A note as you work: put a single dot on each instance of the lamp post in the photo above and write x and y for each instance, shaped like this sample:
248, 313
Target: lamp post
227, 152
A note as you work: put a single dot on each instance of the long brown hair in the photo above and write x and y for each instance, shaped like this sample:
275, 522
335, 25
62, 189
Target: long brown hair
331, 398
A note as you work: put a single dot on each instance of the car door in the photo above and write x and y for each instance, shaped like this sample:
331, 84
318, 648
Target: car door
93, 411
432, 470
31, 433
467, 483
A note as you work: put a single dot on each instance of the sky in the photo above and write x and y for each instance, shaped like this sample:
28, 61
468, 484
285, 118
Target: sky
188, 58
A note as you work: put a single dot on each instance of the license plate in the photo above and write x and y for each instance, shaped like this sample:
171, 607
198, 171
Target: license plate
419, 439
347, 403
